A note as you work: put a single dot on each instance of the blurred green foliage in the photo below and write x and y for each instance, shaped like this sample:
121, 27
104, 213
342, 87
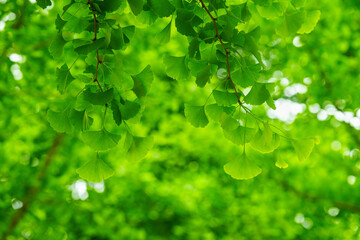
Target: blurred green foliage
180, 190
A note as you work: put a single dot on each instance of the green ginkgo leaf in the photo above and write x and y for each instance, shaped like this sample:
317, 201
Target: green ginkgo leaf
63, 78
291, 24
100, 140
311, 19
273, 10
98, 98
239, 134
203, 76
242, 168
80, 120
176, 67
225, 98
265, 141
164, 35
137, 147
59, 121
303, 147
43, 3
258, 94
95, 170
143, 81
214, 111
196, 115
163, 8
136, 6
57, 46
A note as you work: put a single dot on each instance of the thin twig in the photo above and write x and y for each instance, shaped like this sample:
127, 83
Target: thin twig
227, 53
33, 190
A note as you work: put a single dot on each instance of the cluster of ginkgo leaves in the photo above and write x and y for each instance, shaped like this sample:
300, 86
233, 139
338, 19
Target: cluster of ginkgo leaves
223, 53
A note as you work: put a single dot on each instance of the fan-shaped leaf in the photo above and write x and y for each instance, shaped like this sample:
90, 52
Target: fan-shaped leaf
265, 141
101, 140
95, 170
303, 147
176, 67
196, 115
242, 168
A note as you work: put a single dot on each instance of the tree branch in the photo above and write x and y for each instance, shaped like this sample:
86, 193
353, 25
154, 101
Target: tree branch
33, 190
227, 53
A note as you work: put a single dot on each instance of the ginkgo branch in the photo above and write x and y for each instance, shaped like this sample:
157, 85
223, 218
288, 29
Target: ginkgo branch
227, 52
98, 61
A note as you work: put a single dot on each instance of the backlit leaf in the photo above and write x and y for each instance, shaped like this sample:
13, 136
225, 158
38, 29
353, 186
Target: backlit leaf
57, 46
59, 121
143, 81
136, 6
225, 98
176, 67
95, 170
139, 147
98, 98
265, 141
311, 19
100, 140
164, 35
63, 78
258, 94
242, 168
303, 147
196, 115
163, 8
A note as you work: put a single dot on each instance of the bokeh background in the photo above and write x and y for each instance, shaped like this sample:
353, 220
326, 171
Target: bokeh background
180, 191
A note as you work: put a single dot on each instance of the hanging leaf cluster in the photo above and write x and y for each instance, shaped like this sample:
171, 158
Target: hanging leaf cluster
223, 54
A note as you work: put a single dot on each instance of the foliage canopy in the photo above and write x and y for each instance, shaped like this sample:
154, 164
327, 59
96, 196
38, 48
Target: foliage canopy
171, 102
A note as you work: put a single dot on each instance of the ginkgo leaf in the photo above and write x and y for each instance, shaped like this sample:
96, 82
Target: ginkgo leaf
164, 35
87, 48
272, 11
116, 112
59, 121
136, 6
129, 109
239, 134
117, 39
303, 147
98, 98
143, 81
291, 24
271, 103
185, 22
214, 111
57, 46
203, 76
43, 3
225, 98
265, 141
138, 147
311, 19
176, 67
80, 120
196, 115
242, 168
163, 8
280, 163
63, 78
258, 94
100, 140
95, 170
